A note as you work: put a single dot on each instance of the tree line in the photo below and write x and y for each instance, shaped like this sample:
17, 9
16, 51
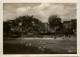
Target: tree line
28, 25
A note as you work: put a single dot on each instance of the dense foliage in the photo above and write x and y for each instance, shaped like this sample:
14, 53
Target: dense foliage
28, 25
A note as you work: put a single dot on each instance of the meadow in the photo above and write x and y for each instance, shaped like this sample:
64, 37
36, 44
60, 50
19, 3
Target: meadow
40, 46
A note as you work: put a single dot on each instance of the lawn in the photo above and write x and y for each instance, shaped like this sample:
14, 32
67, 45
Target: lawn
40, 46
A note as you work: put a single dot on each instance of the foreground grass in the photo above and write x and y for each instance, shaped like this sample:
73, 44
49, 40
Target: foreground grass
40, 46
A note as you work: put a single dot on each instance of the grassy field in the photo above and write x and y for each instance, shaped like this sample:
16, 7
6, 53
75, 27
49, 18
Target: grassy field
40, 46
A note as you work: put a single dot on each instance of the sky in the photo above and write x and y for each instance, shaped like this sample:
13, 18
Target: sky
42, 11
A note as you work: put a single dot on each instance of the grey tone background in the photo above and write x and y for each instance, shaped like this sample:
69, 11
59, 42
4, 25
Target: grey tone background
41, 11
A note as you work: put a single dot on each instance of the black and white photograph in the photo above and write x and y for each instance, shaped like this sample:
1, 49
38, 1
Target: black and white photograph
40, 28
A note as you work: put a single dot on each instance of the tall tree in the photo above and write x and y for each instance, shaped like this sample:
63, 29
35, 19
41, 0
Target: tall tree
55, 22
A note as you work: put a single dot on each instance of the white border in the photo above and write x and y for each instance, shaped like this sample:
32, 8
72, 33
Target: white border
39, 1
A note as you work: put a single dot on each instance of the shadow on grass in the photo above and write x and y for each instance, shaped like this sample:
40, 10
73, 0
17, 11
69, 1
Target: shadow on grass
23, 49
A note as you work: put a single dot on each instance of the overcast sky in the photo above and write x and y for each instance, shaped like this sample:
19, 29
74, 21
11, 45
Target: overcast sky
42, 11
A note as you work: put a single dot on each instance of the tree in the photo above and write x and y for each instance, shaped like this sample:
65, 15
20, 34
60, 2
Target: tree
23, 25
6, 29
31, 24
55, 22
